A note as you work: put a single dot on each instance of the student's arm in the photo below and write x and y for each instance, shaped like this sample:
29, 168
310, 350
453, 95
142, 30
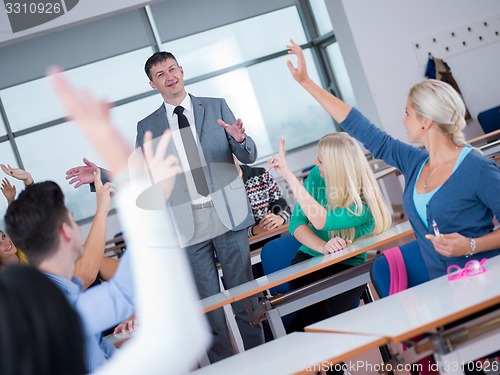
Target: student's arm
314, 211
333, 105
300, 229
307, 237
108, 268
88, 265
278, 203
8, 190
380, 144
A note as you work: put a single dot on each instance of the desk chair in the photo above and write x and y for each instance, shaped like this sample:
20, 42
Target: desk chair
416, 270
278, 254
490, 119
397, 269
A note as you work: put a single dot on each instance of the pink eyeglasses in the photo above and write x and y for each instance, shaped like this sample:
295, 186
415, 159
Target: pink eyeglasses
471, 268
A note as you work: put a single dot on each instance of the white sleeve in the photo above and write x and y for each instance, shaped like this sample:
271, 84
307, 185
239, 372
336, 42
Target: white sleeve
173, 331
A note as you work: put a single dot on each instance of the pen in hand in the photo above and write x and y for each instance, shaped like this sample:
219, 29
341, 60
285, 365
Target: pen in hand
435, 227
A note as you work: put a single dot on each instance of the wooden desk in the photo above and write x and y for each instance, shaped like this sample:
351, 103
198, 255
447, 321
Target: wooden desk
297, 353
491, 149
311, 265
422, 308
255, 254
425, 309
485, 138
114, 240
282, 229
263, 283
329, 287
385, 171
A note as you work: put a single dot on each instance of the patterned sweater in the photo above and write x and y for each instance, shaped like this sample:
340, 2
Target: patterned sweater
264, 194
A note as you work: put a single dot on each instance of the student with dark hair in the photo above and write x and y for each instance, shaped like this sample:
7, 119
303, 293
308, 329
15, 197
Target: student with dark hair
93, 261
40, 224
41, 333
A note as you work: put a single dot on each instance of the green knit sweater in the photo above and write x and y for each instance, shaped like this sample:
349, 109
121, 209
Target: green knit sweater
340, 218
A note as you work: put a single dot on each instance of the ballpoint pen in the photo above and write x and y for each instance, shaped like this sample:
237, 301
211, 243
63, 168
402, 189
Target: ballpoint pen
435, 227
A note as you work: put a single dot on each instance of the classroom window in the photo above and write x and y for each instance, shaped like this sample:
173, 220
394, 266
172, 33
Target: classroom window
271, 104
321, 16
111, 79
340, 73
236, 43
242, 61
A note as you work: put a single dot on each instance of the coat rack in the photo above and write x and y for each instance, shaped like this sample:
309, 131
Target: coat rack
458, 39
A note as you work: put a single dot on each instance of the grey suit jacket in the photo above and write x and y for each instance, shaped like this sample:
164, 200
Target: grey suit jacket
226, 187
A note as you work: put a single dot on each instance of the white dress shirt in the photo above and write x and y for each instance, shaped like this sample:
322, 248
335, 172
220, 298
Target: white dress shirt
196, 198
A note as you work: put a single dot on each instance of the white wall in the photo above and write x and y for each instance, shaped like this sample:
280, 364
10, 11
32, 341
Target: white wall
376, 40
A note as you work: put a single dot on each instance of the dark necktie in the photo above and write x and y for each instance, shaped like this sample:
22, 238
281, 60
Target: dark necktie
192, 153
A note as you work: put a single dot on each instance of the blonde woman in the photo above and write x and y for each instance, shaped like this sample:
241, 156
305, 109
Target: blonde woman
449, 185
339, 202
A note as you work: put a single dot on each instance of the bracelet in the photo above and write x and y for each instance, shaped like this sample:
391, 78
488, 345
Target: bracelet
472, 247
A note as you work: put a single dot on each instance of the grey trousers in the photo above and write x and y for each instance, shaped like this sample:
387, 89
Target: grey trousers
232, 251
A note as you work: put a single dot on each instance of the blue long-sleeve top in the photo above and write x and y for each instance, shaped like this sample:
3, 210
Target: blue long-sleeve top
465, 203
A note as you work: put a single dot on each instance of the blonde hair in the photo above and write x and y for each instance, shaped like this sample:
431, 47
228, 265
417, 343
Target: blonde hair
350, 182
440, 102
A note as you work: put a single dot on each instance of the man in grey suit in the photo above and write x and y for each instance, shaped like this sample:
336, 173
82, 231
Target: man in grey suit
212, 224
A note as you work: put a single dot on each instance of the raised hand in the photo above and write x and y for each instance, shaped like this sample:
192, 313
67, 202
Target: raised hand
8, 190
278, 162
17, 173
83, 174
236, 130
299, 73
104, 193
